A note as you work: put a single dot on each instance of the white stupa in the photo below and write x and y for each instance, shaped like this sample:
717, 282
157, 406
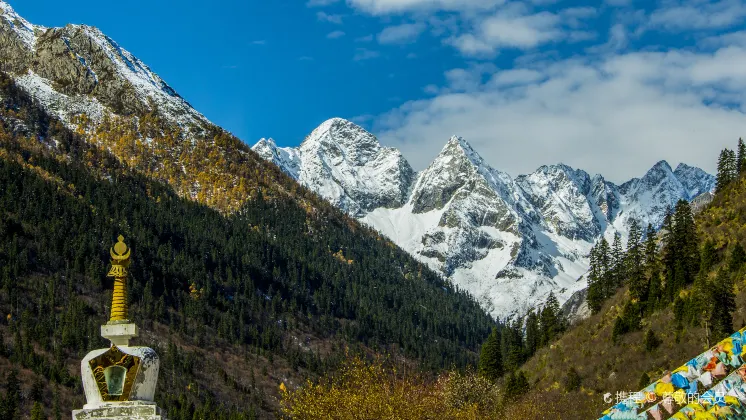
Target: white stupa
119, 381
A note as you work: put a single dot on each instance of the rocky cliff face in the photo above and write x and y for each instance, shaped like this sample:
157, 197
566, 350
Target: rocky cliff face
346, 165
509, 242
77, 69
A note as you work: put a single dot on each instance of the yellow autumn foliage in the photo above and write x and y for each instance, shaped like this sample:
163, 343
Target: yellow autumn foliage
362, 390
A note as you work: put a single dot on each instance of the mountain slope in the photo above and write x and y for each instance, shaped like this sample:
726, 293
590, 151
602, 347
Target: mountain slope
605, 366
271, 293
77, 68
509, 242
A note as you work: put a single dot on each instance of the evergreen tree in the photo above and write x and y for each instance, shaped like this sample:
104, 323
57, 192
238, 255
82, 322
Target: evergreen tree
37, 412
516, 385
651, 341
727, 169
490, 358
572, 380
644, 381
723, 303
595, 294
618, 266
607, 273
638, 283
512, 345
552, 321
651, 247
686, 239
533, 333
12, 400
709, 257
737, 258
741, 156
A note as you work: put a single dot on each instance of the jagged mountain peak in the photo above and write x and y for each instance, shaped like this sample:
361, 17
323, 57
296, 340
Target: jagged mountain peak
458, 146
77, 69
342, 139
695, 180
26, 31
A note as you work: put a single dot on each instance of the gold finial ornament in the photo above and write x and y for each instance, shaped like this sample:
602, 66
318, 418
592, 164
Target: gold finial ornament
120, 260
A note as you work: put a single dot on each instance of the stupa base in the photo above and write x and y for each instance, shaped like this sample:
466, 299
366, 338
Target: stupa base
135, 410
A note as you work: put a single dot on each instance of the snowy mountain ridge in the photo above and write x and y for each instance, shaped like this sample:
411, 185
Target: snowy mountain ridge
509, 242
78, 69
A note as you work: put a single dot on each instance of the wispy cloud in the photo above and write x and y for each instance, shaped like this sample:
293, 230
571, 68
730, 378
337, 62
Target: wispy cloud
259, 42
366, 38
382, 7
581, 110
305, 58
695, 14
403, 33
325, 17
320, 3
335, 34
362, 54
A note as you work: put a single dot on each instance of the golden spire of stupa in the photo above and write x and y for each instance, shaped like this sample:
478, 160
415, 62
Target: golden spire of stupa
120, 259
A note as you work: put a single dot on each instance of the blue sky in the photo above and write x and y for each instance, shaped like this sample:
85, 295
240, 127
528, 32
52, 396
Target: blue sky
610, 86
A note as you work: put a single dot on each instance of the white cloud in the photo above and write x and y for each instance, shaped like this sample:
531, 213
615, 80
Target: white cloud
325, 17
403, 33
320, 3
366, 38
732, 38
616, 115
362, 54
382, 7
335, 34
515, 77
696, 14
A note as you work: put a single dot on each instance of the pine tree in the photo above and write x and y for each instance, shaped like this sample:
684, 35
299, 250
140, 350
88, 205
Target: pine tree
686, 239
737, 258
709, 256
595, 294
490, 358
617, 261
515, 385
723, 301
533, 333
651, 341
638, 284
741, 157
512, 345
607, 274
37, 412
552, 321
651, 247
572, 380
12, 400
727, 169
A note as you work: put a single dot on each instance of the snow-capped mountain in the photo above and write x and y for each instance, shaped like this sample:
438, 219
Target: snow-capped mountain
76, 69
346, 165
509, 242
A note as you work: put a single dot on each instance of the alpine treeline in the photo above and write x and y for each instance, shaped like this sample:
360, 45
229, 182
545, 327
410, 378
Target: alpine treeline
251, 297
730, 165
671, 267
509, 346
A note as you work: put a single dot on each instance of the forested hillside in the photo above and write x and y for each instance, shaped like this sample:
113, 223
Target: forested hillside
235, 303
657, 301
